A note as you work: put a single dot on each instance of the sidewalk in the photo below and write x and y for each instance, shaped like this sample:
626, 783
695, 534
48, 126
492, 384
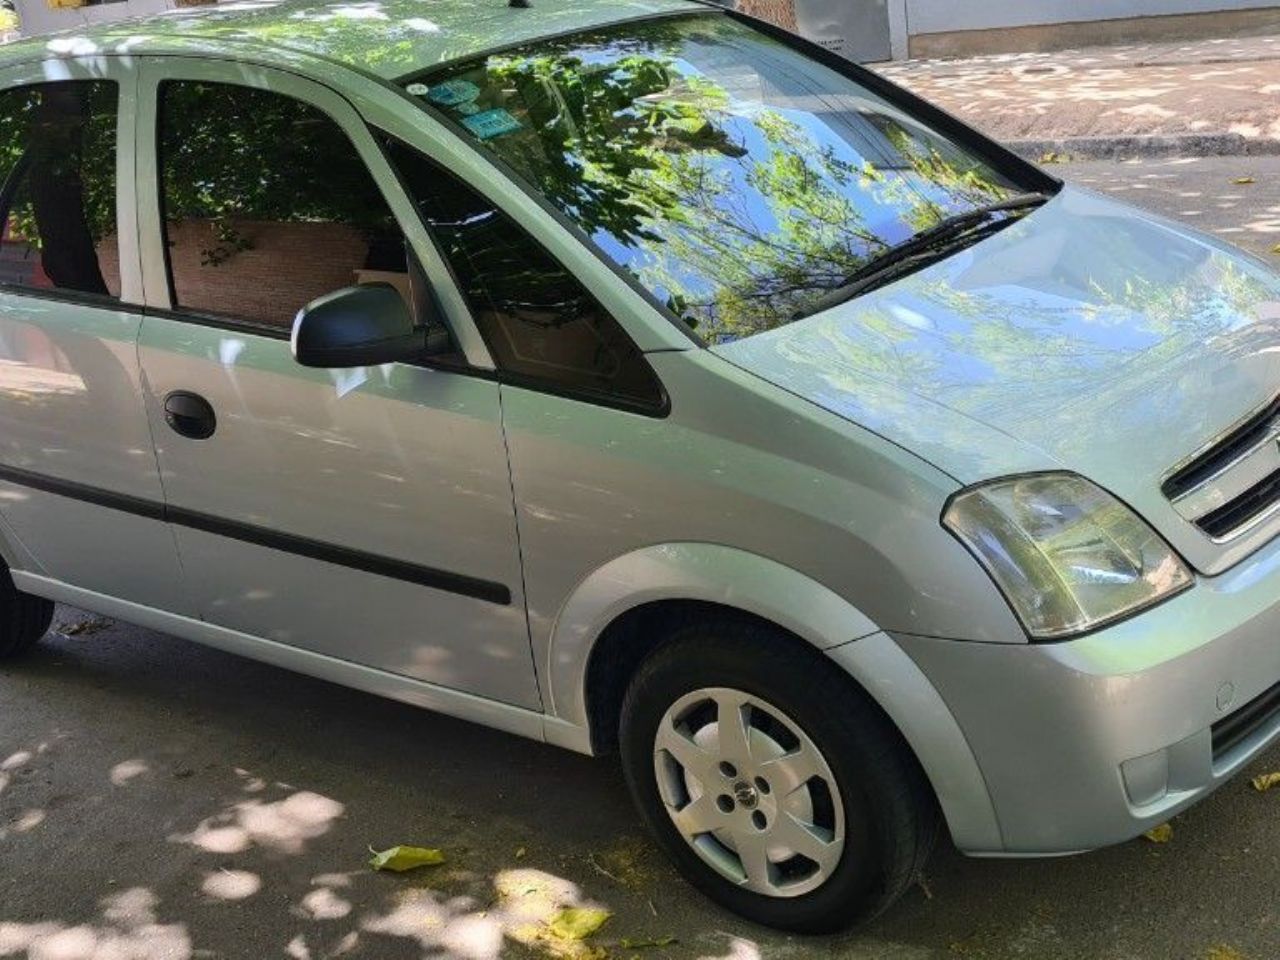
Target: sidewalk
1211, 97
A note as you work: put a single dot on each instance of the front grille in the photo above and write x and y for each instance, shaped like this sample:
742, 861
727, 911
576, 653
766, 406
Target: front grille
1222, 454
1243, 510
1232, 485
1229, 732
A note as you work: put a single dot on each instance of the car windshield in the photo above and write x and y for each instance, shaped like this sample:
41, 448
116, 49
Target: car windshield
736, 179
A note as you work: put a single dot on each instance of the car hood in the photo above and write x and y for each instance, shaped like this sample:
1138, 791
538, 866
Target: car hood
1089, 336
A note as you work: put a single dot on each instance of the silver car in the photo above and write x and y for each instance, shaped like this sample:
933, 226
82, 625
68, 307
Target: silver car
633, 376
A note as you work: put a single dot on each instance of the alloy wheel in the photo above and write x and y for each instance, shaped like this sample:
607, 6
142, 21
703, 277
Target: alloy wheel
749, 791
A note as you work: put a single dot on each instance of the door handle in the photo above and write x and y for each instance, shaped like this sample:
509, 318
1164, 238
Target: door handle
190, 414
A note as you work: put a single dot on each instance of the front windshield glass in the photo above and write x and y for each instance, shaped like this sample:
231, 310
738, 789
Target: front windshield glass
736, 179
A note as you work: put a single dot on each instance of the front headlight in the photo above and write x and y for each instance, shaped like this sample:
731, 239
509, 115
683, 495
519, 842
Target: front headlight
1067, 555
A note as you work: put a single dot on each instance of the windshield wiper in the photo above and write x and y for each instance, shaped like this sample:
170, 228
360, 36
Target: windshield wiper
899, 259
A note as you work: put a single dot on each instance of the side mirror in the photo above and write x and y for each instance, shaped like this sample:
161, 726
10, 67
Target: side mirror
359, 326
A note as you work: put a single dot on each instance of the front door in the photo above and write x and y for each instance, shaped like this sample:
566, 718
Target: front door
364, 514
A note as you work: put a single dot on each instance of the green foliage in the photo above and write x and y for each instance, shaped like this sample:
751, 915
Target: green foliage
729, 207
73, 137
233, 154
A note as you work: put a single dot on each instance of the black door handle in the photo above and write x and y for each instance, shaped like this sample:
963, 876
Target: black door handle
190, 415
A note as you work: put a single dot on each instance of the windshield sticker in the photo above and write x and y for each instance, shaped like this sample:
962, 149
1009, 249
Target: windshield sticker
467, 109
418, 89
453, 92
491, 123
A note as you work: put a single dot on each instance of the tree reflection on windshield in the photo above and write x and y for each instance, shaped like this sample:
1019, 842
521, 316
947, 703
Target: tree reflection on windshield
736, 179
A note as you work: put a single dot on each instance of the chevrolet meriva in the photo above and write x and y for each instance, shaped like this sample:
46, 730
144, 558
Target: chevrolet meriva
633, 375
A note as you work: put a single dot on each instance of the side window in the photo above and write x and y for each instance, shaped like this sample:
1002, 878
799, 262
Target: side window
58, 198
538, 321
267, 206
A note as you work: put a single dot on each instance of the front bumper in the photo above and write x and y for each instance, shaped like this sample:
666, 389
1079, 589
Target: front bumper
1092, 741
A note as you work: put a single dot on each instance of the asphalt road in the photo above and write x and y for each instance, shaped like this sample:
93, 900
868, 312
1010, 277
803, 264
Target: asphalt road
161, 800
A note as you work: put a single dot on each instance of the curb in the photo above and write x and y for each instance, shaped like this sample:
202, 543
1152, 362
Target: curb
1157, 145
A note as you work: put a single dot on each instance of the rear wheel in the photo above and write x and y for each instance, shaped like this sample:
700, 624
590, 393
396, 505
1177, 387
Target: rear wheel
23, 618
771, 780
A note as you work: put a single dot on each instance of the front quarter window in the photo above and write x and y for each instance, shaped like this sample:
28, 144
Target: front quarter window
735, 179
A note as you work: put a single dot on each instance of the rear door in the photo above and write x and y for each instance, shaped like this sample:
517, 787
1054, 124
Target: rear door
79, 488
364, 514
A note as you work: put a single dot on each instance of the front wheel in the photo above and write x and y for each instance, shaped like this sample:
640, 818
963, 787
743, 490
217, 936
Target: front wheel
770, 779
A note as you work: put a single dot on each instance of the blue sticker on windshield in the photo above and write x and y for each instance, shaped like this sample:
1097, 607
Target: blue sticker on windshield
453, 92
491, 123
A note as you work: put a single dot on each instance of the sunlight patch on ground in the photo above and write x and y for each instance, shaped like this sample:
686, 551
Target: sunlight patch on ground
284, 826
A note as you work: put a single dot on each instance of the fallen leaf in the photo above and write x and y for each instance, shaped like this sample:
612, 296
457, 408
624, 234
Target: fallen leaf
628, 944
1276, 248
520, 853
401, 859
1265, 781
1243, 180
1160, 834
577, 923
1052, 157
85, 628
1224, 952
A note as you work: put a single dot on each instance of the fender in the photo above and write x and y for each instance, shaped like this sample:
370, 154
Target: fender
795, 602
687, 571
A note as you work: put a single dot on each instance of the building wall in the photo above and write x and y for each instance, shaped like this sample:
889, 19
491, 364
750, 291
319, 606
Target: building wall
941, 16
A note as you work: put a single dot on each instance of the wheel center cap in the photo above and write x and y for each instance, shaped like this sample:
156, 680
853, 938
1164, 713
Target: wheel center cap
746, 795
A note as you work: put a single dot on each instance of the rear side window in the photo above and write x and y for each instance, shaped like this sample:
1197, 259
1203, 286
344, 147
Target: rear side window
58, 199
541, 325
267, 205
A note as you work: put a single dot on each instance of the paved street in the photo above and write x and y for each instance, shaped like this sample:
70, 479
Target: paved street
161, 800
1212, 87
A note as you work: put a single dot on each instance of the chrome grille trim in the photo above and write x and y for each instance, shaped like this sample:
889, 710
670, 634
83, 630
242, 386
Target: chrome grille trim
1231, 486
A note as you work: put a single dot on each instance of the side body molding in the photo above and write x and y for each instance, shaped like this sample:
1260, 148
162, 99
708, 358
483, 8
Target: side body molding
687, 571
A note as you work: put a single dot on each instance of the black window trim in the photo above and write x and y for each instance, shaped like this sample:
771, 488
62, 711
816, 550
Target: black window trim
72, 297
1001, 159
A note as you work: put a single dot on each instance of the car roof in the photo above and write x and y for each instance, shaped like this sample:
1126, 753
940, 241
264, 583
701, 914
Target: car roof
388, 38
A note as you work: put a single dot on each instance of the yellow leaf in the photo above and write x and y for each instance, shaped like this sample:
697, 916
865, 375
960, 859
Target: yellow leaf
1243, 180
1224, 952
1265, 781
1160, 834
1276, 248
401, 859
577, 923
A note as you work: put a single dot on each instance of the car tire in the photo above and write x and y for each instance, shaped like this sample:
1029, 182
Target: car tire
791, 701
23, 618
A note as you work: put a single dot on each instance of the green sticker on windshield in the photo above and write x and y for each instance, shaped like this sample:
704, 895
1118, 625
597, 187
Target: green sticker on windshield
453, 92
491, 123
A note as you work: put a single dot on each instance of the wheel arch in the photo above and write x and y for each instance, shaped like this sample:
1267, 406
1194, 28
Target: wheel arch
608, 604
622, 612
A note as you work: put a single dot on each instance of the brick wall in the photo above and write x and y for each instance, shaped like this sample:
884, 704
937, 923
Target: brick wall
289, 265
